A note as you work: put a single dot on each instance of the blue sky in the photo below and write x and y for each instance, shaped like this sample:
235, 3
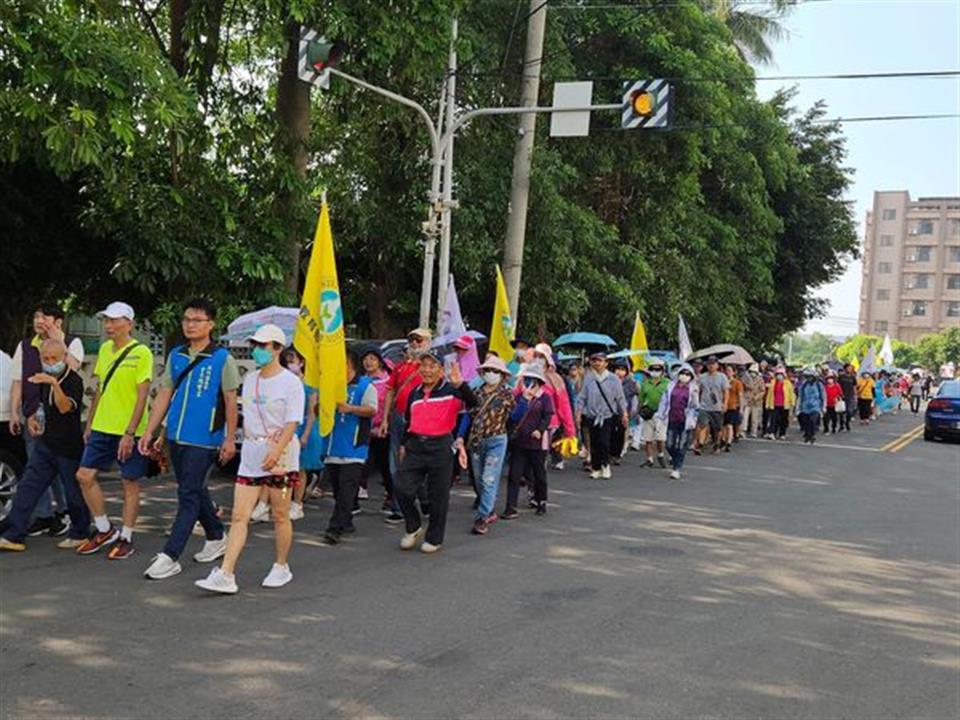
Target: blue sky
865, 36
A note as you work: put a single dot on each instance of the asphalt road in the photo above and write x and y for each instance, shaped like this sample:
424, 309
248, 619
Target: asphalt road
777, 581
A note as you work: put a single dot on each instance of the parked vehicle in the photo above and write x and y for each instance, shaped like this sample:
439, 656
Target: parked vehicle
13, 458
942, 418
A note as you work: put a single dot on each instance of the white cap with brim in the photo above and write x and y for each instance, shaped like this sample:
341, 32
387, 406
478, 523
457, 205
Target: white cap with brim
269, 333
117, 310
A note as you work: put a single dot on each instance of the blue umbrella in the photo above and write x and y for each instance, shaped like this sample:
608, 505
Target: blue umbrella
585, 338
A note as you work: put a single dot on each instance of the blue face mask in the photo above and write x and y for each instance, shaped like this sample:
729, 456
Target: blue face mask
56, 369
261, 356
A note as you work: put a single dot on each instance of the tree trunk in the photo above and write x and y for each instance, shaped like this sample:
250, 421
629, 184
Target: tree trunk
293, 110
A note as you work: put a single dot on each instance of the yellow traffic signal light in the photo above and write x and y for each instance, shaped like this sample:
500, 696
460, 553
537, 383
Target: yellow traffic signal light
643, 103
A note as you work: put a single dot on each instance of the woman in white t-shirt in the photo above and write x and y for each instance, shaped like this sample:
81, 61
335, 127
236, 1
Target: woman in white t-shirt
273, 400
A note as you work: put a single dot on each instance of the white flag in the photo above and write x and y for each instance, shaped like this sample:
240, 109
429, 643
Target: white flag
869, 364
451, 321
686, 349
886, 352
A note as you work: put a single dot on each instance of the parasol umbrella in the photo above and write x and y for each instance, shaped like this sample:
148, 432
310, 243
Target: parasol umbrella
726, 353
583, 339
246, 325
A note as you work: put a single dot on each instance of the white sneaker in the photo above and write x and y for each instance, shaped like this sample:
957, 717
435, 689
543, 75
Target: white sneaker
212, 550
429, 548
278, 576
163, 567
219, 582
596, 474
558, 466
296, 511
363, 494
674, 474
606, 472
261, 513
409, 540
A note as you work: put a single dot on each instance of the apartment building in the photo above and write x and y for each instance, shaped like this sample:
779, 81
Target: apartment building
911, 266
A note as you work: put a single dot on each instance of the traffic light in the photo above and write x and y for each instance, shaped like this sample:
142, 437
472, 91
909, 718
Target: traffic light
646, 104
316, 57
321, 54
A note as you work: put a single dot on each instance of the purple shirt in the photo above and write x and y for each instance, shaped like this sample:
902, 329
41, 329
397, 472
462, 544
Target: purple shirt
679, 399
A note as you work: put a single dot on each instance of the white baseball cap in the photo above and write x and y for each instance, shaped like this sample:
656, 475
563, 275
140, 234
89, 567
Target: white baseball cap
116, 310
269, 333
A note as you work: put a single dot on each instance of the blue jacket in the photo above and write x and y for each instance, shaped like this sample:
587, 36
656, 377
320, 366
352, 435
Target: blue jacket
196, 414
811, 397
350, 437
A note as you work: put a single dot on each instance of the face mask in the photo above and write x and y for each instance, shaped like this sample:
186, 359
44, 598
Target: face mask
491, 378
684, 379
539, 363
753, 373
518, 355
295, 368
779, 377
656, 373
56, 369
261, 356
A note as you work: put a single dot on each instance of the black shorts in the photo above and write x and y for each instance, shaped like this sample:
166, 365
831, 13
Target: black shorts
732, 417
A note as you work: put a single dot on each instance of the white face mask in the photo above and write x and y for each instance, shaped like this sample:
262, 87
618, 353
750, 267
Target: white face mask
539, 363
656, 373
683, 379
491, 378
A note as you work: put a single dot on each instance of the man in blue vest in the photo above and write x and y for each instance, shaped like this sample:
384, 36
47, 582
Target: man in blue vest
347, 448
198, 398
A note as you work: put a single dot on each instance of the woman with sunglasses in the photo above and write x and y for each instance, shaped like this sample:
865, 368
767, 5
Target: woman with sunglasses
273, 401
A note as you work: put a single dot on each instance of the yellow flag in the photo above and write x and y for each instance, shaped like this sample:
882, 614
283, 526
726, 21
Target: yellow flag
856, 363
502, 331
320, 335
638, 342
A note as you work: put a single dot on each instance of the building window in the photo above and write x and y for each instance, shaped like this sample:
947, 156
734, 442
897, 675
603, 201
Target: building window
922, 227
886, 240
889, 214
953, 309
884, 268
953, 282
953, 253
955, 226
915, 308
883, 294
920, 281
879, 326
921, 253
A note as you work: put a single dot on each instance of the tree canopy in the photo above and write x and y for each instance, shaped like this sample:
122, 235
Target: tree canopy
162, 149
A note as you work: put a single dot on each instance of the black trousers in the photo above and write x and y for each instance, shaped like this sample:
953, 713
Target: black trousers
618, 438
428, 464
600, 438
529, 464
344, 480
379, 461
830, 420
809, 423
777, 421
914, 404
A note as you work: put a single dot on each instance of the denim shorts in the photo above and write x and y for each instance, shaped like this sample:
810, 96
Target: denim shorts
100, 453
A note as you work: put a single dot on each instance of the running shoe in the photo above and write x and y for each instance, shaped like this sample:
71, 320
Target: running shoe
330, 538
71, 543
393, 518
162, 567
492, 518
121, 550
541, 509
39, 526
59, 525
212, 550
662, 460
219, 582
278, 576
509, 515
98, 541
479, 527
410, 540
429, 548
296, 511
10, 546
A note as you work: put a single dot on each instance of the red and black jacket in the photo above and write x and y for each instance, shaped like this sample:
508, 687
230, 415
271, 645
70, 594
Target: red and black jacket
434, 413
